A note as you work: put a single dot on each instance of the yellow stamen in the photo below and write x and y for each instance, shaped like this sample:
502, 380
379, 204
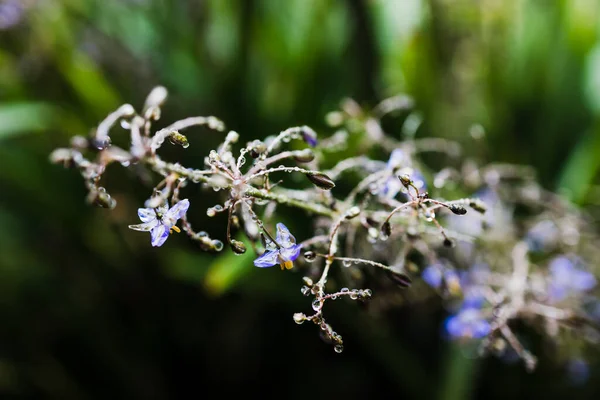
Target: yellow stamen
286, 265
176, 229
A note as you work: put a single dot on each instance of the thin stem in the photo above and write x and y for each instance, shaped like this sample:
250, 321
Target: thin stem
285, 200
278, 169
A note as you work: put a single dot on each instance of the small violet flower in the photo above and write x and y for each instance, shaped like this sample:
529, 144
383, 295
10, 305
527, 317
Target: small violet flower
160, 221
469, 322
284, 252
567, 277
436, 276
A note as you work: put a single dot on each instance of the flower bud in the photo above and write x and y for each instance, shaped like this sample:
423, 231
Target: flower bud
309, 136
405, 179
99, 197
304, 156
458, 210
478, 205
400, 279
179, 139
321, 181
309, 256
237, 247
386, 229
352, 212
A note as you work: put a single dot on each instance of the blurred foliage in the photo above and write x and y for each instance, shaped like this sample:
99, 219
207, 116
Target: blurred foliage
90, 310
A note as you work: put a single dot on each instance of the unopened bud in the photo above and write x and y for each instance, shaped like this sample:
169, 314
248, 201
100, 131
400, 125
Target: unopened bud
478, 205
99, 197
309, 256
309, 136
179, 139
405, 179
458, 210
237, 247
304, 156
448, 242
400, 279
352, 212
386, 229
321, 181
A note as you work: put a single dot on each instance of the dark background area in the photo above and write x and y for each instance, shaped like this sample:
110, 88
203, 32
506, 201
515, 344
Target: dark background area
88, 310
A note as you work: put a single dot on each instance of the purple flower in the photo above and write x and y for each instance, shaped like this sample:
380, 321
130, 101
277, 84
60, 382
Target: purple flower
468, 323
309, 136
284, 252
578, 371
436, 274
160, 221
567, 278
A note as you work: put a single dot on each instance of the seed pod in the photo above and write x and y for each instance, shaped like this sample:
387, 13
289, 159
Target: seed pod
321, 181
237, 247
400, 279
458, 210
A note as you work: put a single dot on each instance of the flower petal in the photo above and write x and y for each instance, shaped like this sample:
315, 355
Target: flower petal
179, 209
267, 259
290, 253
159, 235
145, 227
284, 237
146, 214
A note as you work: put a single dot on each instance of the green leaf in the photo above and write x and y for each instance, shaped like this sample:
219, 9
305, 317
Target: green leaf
21, 118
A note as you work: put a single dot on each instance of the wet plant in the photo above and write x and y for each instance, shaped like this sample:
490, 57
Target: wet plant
488, 240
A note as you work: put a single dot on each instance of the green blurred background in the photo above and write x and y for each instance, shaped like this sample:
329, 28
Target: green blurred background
88, 310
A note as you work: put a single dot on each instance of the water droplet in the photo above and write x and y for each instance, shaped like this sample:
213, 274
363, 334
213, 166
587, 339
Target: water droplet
218, 208
334, 297
368, 292
305, 290
316, 305
125, 163
202, 234
344, 290
211, 212
346, 263
338, 348
217, 245
354, 295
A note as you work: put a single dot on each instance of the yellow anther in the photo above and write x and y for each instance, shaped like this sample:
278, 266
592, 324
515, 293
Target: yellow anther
286, 265
176, 229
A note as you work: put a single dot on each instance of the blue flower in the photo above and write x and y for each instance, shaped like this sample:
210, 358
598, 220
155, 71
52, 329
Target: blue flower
578, 371
567, 278
468, 323
160, 221
284, 252
436, 274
